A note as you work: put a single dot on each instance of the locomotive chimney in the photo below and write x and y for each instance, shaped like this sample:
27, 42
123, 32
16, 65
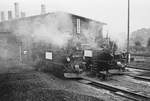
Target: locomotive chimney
2, 16
43, 9
16, 10
9, 15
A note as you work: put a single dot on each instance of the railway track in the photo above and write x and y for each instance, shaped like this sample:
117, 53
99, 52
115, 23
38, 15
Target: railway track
133, 67
145, 78
121, 91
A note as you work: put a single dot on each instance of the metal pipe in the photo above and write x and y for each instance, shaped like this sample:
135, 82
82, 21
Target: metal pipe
2, 16
16, 10
43, 9
9, 15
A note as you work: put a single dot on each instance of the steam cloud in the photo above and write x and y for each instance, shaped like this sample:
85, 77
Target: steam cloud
55, 29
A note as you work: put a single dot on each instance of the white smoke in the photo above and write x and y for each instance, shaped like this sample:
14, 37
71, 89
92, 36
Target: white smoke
55, 28
118, 38
92, 33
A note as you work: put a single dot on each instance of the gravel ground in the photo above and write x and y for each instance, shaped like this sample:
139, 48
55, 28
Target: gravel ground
21, 84
141, 87
134, 85
142, 65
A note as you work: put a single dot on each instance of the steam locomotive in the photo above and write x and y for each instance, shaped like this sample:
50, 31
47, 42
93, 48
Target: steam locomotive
73, 62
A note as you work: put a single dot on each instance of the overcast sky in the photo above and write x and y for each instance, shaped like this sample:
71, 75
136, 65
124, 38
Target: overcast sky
112, 12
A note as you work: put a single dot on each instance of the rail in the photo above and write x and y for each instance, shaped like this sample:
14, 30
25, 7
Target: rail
133, 67
118, 90
145, 78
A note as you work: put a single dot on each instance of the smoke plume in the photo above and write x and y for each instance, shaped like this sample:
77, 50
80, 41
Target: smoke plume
53, 29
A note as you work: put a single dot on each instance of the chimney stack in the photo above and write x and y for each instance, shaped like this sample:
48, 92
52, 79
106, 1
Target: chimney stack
23, 14
43, 9
16, 10
9, 15
2, 16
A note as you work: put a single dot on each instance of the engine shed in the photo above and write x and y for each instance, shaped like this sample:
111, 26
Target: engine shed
59, 29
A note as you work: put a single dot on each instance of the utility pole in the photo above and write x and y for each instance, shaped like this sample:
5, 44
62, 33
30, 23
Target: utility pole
128, 31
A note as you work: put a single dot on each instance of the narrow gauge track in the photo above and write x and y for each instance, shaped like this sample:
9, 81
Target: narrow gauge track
144, 78
121, 91
133, 67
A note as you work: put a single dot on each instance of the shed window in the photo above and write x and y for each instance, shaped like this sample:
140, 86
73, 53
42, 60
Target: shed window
78, 26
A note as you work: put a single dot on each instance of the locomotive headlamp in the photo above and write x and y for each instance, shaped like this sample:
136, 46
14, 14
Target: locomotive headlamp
25, 52
77, 67
68, 59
